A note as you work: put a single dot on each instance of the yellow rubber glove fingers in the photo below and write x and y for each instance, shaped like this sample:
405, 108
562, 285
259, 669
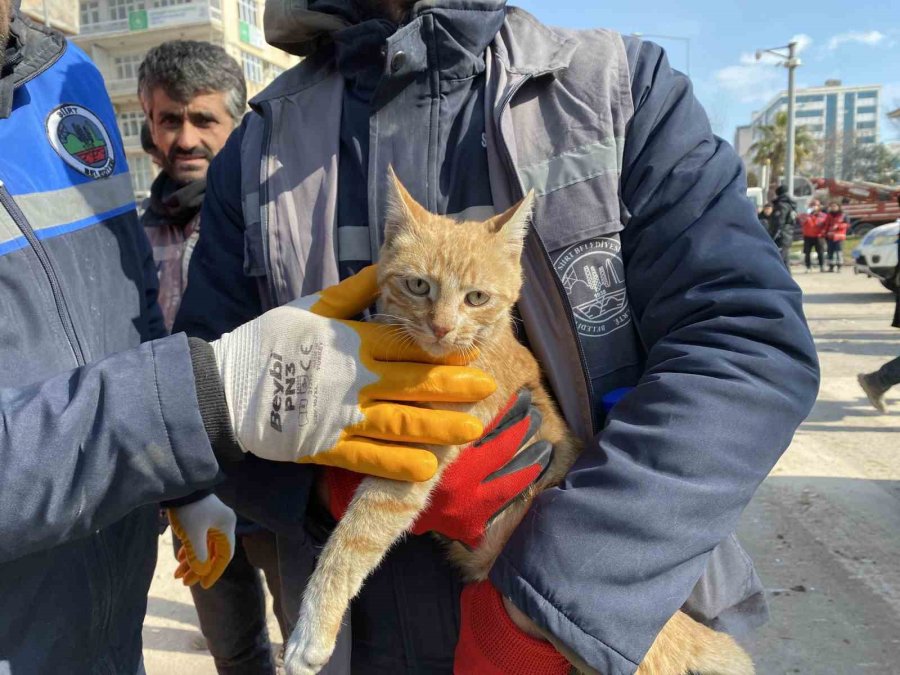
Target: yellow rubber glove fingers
423, 383
219, 555
199, 567
384, 342
420, 426
350, 297
378, 458
183, 571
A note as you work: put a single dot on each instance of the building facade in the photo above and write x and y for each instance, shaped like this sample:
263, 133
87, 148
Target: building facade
59, 14
117, 34
836, 115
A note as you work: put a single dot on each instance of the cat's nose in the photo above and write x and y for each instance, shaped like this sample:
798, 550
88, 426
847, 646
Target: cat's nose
438, 330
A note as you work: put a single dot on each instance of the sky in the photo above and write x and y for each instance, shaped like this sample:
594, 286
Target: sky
857, 42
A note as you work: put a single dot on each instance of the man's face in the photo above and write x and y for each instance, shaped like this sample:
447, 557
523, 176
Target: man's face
815, 206
188, 135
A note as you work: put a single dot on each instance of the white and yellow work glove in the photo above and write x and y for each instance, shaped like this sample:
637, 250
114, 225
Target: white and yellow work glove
206, 531
304, 384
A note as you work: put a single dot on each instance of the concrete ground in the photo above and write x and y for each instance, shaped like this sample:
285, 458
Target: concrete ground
824, 528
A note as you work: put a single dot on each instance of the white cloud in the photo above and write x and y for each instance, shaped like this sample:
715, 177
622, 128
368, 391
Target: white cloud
756, 81
872, 37
803, 41
749, 83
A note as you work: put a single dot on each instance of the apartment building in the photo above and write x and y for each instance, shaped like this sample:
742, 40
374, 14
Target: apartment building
839, 116
59, 14
117, 34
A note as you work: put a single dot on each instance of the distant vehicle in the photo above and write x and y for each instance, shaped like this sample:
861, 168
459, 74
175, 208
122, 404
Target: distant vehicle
755, 195
876, 255
866, 205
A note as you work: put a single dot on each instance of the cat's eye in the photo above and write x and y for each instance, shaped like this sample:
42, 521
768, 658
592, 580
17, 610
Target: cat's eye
418, 287
476, 298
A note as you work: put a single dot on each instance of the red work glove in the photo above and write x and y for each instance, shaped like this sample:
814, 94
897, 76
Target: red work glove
484, 480
491, 644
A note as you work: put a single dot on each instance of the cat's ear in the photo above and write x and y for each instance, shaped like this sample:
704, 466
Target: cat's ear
512, 224
403, 212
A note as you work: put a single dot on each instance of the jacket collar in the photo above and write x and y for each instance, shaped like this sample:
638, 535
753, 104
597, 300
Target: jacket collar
31, 49
524, 46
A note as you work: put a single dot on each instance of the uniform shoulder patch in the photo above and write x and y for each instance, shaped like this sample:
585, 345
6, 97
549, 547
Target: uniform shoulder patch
81, 140
593, 275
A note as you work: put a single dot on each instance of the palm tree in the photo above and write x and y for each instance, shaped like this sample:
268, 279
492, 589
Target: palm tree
771, 147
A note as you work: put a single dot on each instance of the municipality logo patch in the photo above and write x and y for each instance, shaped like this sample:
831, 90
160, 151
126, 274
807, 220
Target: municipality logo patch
594, 278
79, 137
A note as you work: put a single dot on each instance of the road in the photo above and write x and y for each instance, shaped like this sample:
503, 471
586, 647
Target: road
824, 528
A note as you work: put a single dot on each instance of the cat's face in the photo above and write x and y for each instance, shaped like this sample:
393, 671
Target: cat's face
449, 285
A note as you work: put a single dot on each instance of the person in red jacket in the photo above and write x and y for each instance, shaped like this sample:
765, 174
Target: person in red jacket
813, 234
835, 233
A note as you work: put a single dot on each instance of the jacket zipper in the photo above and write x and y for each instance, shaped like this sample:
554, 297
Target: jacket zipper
517, 186
264, 201
55, 287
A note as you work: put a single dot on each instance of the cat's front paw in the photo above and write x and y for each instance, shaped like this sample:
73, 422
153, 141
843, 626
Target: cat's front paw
304, 654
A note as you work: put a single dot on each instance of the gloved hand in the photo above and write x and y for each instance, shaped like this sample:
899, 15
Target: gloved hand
206, 531
304, 384
491, 644
484, 480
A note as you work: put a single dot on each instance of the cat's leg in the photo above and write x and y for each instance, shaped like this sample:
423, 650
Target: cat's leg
380, 513
685, 645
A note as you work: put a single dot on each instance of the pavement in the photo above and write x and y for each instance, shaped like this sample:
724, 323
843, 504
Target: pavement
824, 528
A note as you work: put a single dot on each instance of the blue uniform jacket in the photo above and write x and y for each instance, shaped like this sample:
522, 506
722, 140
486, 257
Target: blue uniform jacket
95, 428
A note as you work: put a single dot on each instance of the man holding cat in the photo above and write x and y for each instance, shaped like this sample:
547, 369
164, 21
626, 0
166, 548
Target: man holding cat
667, 326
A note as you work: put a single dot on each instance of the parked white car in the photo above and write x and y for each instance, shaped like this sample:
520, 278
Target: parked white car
876, 255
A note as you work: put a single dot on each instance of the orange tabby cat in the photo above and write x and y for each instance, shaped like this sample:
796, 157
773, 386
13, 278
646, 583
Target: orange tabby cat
451, 287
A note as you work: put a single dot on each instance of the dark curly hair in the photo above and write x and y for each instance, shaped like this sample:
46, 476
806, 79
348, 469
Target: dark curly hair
185, 68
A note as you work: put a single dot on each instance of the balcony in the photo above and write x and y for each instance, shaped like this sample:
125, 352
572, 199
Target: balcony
158, 17
125, 87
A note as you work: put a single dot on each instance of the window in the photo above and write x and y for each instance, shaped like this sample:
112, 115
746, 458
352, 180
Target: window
865, 139
867, 94
127, 66
90, 12
169, 3
253, 68
809, 98
248, 12
865, 125
130, 123
863, 109
119, 9
141, 173
809, 113
813, 128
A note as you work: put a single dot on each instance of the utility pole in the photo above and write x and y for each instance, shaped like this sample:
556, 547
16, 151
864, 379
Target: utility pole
791, 65
791, 62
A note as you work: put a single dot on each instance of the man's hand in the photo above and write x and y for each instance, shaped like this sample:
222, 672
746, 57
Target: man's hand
305, 384
206, 531
486, 478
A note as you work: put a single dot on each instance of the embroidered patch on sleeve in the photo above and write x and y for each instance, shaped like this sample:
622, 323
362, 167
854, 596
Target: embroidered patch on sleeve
81, 140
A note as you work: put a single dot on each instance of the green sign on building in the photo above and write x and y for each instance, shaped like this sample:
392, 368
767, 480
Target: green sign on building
244, 32
137, 19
